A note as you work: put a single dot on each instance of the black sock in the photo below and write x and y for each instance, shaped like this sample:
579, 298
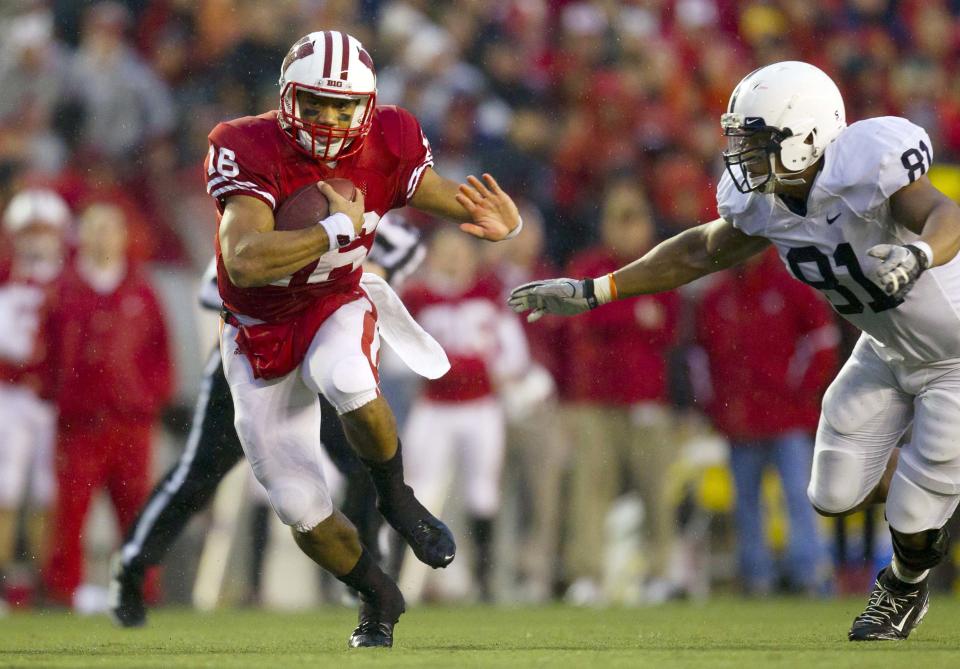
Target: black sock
397, 502
380, 595
482, 529
360, 508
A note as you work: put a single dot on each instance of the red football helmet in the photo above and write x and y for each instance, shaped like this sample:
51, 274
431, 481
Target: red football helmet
327, 64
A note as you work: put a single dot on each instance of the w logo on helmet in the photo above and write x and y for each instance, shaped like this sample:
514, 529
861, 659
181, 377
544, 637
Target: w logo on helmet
301, 49
366, 59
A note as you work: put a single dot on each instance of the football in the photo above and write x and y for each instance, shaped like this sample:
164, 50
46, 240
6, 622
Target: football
308, 206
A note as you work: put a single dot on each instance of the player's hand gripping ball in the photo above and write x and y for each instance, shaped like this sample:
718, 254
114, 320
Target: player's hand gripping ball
308, 206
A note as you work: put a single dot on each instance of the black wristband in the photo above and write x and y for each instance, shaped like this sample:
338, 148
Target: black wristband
923, 262
588, 293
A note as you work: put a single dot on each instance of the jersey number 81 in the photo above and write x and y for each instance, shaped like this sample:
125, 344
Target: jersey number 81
843, 256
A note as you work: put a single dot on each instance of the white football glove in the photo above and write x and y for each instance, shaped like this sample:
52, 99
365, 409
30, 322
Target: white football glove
898, 269
565, 297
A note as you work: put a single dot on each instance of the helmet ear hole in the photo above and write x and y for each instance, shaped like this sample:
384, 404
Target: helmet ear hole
811, 137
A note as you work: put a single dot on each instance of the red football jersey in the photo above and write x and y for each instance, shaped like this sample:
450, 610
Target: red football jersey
478, 334
24, 357
253, 156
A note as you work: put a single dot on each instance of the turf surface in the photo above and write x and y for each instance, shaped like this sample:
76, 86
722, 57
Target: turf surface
721, 633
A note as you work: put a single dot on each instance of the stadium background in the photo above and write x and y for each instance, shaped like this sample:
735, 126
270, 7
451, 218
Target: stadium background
557, 98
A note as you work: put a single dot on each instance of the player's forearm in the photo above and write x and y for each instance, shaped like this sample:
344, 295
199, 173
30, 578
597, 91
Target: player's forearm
262, 258
438, 196
669, 265
686, 257
941, 232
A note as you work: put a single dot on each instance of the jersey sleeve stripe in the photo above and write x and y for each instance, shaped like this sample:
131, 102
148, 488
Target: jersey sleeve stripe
227, 180
246, 189
417, 176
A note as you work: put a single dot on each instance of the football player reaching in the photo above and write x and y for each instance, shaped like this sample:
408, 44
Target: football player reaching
851, 213
297, 319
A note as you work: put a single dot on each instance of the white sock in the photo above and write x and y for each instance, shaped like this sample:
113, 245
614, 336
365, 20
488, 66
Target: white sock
906, 574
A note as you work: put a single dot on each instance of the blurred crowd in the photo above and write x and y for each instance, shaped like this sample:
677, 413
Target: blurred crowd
557, 96
601, 118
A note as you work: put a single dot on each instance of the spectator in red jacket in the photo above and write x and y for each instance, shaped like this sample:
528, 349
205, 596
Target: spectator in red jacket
111, 349
617, 383
765, 398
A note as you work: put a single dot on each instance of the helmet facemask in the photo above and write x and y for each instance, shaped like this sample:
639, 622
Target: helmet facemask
752, 151
325, 142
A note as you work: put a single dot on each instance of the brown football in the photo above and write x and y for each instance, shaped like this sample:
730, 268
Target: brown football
308, 206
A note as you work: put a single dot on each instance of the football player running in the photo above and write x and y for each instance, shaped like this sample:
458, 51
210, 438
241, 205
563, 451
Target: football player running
297, 319
853, 214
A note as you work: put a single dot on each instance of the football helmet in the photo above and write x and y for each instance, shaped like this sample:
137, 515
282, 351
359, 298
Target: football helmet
792, 110
327, 64
36, 206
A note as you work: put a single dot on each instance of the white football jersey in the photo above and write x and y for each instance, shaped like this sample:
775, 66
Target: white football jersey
848, 212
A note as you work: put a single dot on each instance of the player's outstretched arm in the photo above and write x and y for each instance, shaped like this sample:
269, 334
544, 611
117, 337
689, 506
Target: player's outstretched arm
679, 260
256, 255
926, 212
686, 257
483, 209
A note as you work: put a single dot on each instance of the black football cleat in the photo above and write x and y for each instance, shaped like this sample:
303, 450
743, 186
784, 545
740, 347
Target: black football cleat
125, 595
372, 634
377, 619
429, 538
893, 610
431, 541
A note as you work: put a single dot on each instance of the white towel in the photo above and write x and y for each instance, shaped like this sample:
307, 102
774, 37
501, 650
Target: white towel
414, 345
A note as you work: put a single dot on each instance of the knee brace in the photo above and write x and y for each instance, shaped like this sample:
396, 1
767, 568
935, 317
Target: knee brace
298, 506
348, 384
937, 544
836, 484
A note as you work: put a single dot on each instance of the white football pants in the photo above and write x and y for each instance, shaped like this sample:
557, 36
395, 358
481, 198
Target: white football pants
464, 437
278, 420
28, 427
866, 411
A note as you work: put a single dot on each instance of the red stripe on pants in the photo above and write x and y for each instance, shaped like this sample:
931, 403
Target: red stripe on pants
366, 342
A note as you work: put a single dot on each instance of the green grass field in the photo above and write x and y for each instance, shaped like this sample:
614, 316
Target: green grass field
721, 633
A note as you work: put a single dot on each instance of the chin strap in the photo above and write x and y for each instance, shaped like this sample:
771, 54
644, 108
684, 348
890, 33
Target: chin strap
785, 180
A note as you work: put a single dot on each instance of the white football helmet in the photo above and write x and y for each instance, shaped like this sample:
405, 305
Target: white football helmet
36, 206
37, 220
792, 110
327, 64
